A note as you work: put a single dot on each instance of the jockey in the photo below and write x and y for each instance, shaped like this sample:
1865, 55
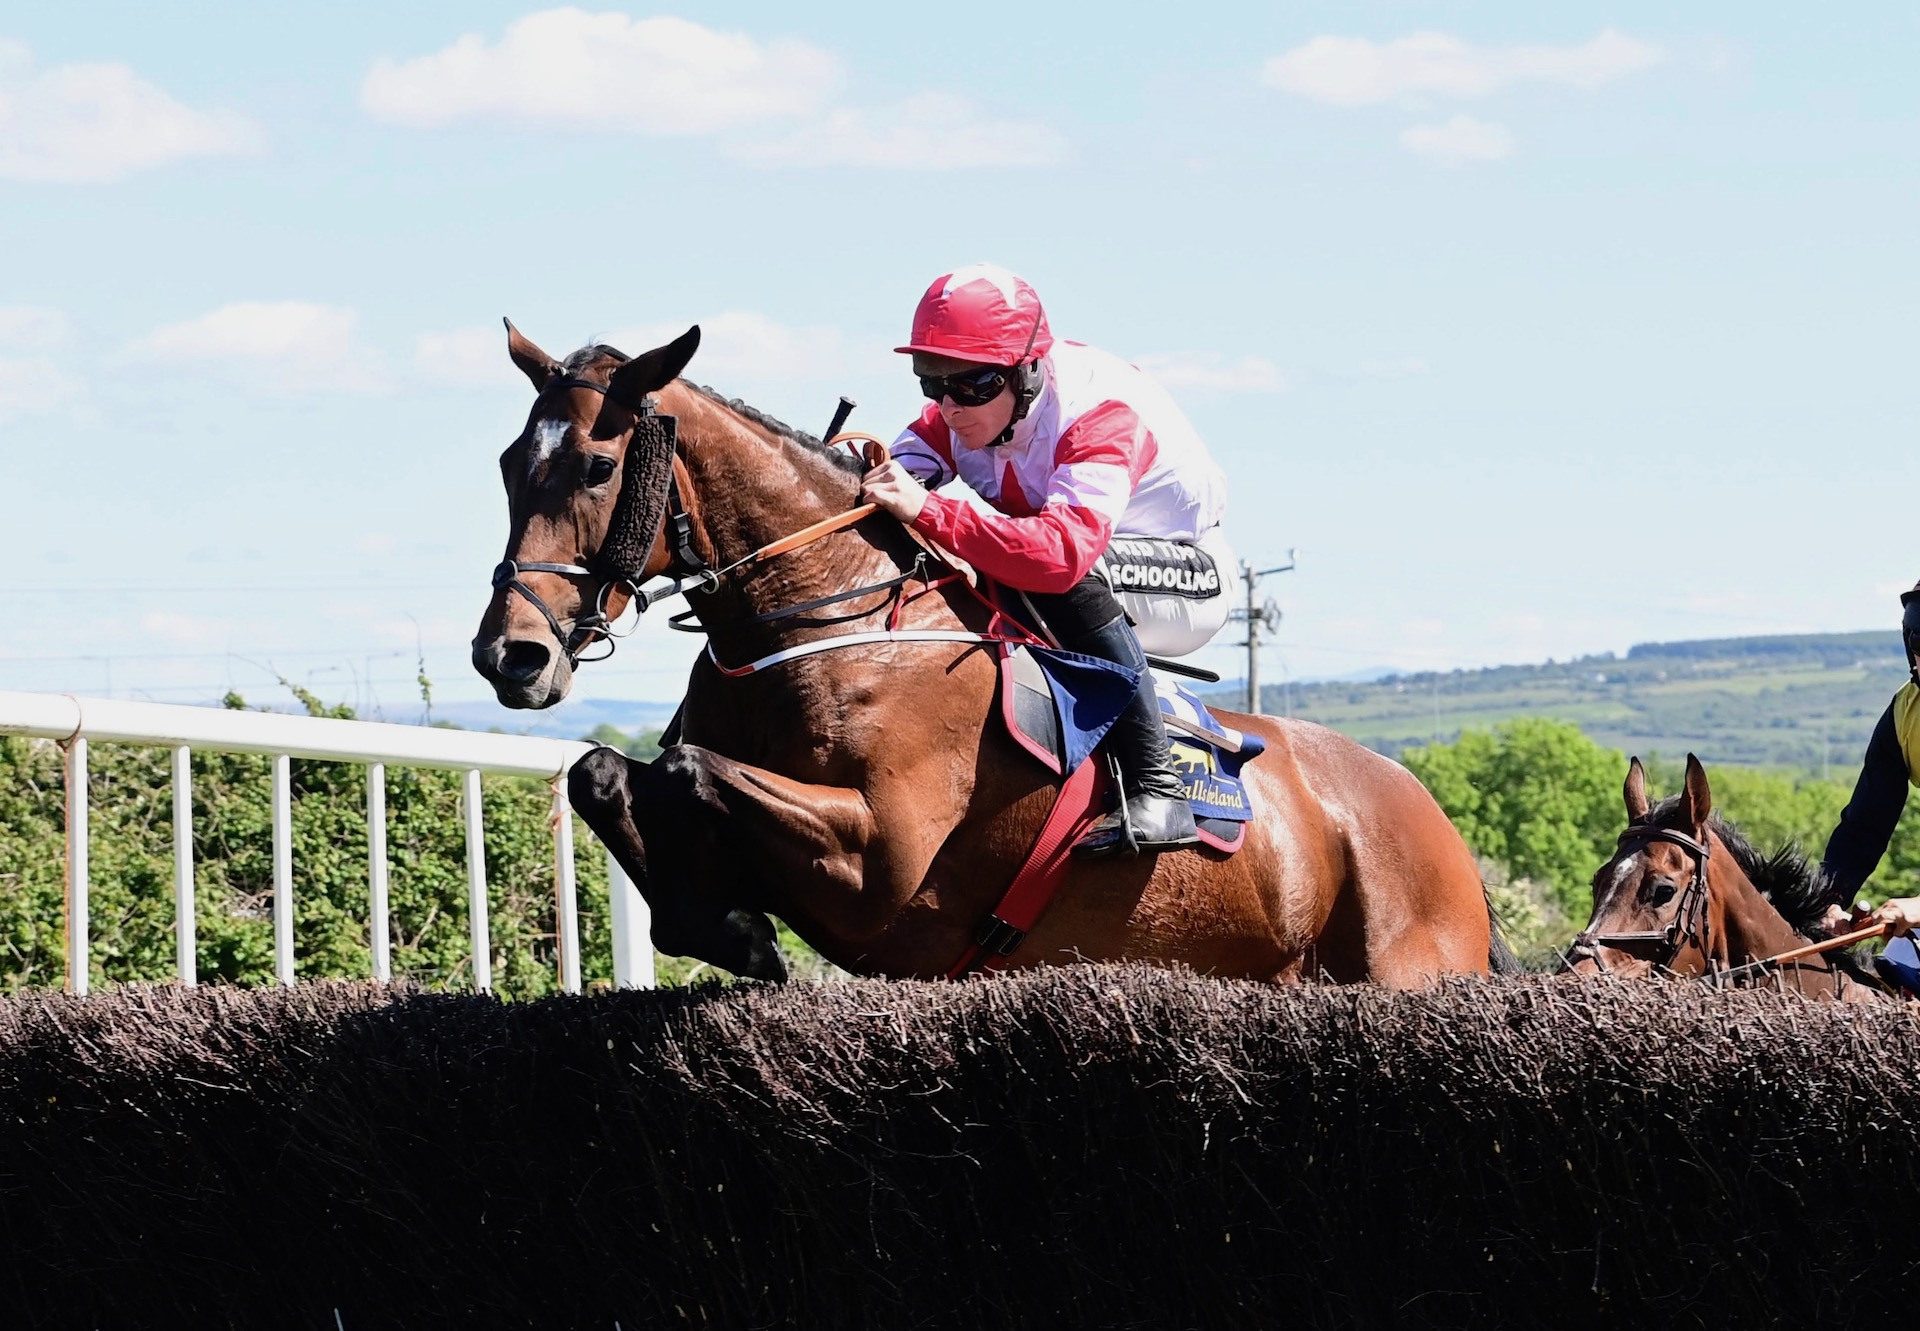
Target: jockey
1109, 507
1868, 822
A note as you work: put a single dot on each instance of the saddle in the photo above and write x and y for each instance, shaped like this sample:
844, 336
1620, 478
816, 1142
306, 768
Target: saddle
1057, 707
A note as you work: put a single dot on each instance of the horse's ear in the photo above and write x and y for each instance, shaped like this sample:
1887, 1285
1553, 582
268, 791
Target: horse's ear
651, 371
1696, 802
1635, 792
536, 364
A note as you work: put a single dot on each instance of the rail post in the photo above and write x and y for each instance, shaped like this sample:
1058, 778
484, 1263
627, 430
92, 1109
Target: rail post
477, 887
183, 916
77, 865
566, 897
632, 929
377, 928
283, 870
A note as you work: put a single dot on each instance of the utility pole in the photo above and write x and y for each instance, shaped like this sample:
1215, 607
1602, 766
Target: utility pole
1258, 619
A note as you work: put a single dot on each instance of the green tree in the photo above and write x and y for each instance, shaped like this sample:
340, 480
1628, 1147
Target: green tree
1535, 795
643, 745
1540, 804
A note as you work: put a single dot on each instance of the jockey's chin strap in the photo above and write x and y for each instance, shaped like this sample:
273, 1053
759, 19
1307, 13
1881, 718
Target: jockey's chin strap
689, 570
1689, 922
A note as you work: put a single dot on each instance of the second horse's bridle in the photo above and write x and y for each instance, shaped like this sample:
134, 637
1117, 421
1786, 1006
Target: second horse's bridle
1689, 923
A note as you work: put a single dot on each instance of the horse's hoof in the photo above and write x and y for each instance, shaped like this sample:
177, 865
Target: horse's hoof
763, 960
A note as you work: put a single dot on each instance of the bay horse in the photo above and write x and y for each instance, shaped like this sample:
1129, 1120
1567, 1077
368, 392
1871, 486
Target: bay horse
866, 793
1686, 894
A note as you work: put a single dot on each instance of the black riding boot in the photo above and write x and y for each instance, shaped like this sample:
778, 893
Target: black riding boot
1153, 813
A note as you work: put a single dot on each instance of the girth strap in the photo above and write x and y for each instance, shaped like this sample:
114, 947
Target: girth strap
1038, 880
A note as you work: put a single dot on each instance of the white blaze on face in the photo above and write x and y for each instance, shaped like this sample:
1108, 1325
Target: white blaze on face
548, 435
1623, 873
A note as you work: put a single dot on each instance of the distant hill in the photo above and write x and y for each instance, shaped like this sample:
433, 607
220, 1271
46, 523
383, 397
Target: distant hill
570, 720
1807, 701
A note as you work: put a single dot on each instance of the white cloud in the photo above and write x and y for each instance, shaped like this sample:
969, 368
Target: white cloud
1211, 372
1388, 371
32, 327
1459, 140
36, 386
614, 74
475, 357
1353, 71
290, 345
100, 122
605, 71
742, 347
930, 132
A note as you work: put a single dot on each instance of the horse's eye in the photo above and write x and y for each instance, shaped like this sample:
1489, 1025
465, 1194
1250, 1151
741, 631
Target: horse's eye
1660, 891
598, 469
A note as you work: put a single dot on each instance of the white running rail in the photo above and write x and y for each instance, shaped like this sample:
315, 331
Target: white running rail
74, 721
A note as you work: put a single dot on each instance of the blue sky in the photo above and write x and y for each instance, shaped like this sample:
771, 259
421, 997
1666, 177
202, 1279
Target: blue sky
1538, 331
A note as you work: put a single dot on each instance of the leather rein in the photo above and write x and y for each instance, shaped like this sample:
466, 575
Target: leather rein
689, 573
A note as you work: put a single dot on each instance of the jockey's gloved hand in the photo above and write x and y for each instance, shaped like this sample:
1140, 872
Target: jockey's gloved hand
892, 487
1901, 915
1845, 919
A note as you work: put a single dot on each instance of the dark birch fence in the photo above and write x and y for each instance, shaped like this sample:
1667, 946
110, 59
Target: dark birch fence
1113, 1147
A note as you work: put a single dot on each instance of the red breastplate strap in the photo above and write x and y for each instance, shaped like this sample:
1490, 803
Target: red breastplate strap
1038, 881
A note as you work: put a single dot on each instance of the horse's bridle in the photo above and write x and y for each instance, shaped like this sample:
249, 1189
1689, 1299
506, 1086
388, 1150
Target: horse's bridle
1689, 920
686, 571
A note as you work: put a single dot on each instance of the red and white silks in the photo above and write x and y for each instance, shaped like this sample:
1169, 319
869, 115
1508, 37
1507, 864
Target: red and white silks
1103, 450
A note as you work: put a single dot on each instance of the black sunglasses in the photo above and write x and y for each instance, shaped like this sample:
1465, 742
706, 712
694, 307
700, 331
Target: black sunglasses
969, 388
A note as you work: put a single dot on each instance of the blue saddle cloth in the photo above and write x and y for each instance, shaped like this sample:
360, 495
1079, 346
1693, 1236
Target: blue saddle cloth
1060, 705
1899, 965
1209, 763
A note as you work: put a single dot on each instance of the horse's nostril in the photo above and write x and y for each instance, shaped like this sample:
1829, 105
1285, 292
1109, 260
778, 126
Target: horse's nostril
522, 661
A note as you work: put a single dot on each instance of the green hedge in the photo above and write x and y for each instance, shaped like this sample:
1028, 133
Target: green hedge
130, 848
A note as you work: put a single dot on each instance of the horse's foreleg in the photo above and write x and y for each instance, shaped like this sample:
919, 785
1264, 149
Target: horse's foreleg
769, 841
608, 789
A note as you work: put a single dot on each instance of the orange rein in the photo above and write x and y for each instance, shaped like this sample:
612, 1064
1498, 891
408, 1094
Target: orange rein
826, 526
1828, 945
1795, 954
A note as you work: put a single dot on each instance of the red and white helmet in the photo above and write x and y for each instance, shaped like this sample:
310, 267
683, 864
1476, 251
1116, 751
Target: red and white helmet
980, 313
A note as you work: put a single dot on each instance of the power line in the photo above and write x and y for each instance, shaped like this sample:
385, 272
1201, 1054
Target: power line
333, 653
169, 588
1258, 619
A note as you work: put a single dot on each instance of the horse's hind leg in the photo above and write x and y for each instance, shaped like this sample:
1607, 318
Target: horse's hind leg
1419, 902
607, 788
